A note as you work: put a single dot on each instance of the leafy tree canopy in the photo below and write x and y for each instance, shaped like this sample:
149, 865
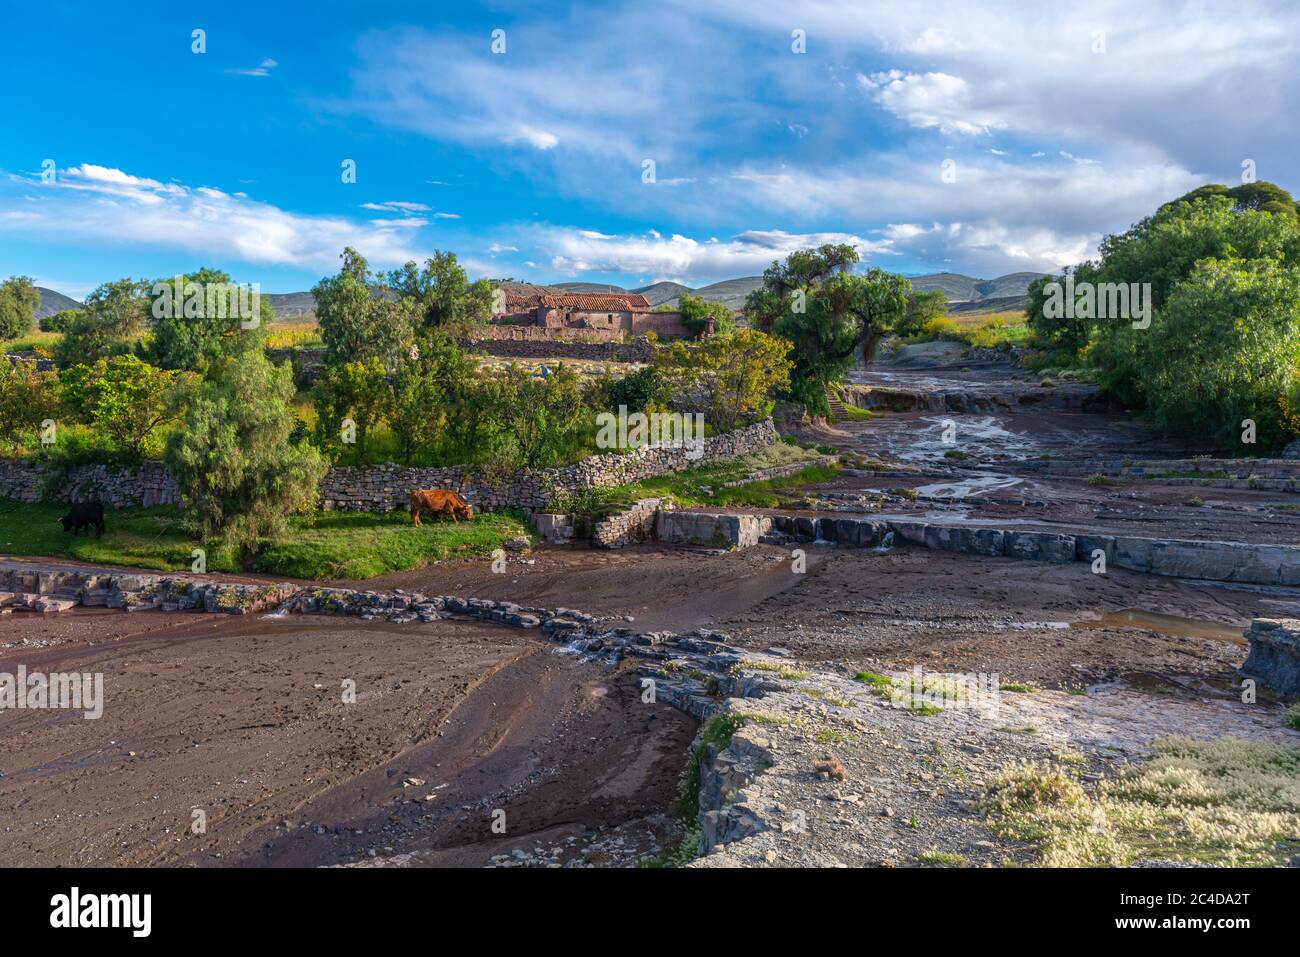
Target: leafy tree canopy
197, 320
828, 313
359, 322
19, 300
443, 294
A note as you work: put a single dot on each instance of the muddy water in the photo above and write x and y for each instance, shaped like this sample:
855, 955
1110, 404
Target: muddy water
1166, 625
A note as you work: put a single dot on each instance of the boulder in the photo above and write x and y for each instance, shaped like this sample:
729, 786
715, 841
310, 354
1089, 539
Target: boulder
1274, 659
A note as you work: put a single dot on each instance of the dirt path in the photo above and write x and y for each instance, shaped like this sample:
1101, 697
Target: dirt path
244, 720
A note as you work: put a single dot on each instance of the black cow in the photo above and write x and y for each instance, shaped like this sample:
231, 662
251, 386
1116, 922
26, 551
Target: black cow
84, 515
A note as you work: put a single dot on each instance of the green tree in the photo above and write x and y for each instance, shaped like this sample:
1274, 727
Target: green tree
351, 400
429, 392
125, 399
736, 375
1262, 196
1220, 345
828, 313
19, 300
360, 322
532, 421
60, 321
697, 311
921, 308
641, 391
27, 398
202, 324
443, 294
109, 324
1226, 348
232, 455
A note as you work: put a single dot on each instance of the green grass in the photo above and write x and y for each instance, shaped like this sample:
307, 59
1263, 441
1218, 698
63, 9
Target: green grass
703, 485
345, 545
853, 414
943, 858
1019, 687
1292, 719
875, 680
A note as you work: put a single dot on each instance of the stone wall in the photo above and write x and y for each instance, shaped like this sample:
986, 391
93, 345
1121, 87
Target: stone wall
386, 487
636, 524
145, 486
383, 488
637, 350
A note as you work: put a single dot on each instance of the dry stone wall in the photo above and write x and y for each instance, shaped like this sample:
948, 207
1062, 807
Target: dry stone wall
386, 487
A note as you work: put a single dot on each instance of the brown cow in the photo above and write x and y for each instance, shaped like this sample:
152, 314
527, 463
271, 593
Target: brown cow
438, 501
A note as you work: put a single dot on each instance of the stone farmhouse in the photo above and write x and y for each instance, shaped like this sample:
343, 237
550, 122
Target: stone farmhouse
591, 317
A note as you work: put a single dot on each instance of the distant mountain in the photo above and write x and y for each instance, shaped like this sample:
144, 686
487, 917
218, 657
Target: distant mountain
52, 302
965, 289
291, 306
586, 288
663, 292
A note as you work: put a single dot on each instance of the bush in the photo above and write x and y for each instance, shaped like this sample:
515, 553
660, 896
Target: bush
643, 390
232, 456
19, 301
26, 400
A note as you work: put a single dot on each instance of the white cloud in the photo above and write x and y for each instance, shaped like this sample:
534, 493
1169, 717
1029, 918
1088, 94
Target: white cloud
538, 139
680, 258
928, 100
397, 206
102, 204
262, 69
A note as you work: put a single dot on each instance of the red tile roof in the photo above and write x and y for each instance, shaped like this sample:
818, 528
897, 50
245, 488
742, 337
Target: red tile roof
582, 302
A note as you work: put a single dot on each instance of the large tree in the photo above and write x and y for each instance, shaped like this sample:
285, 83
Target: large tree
429, 395
109, 324
1220, 347
351, 400
921, 308
828, 313
19, 300
361, 318
443, 295
199, 326
232, 455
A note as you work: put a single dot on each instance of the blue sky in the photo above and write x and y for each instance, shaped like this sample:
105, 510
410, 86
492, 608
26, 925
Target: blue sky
1054, 125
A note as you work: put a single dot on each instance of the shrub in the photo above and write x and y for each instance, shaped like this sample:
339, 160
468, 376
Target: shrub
232, 456
125, 399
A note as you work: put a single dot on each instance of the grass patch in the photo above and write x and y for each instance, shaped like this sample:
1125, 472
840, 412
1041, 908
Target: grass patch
704, 485
853, 414
1103, 480
829, 736
348, 545
1017, 686
874, 680
1227, 803
942, 858
822, 695
1292, 718
781, 671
